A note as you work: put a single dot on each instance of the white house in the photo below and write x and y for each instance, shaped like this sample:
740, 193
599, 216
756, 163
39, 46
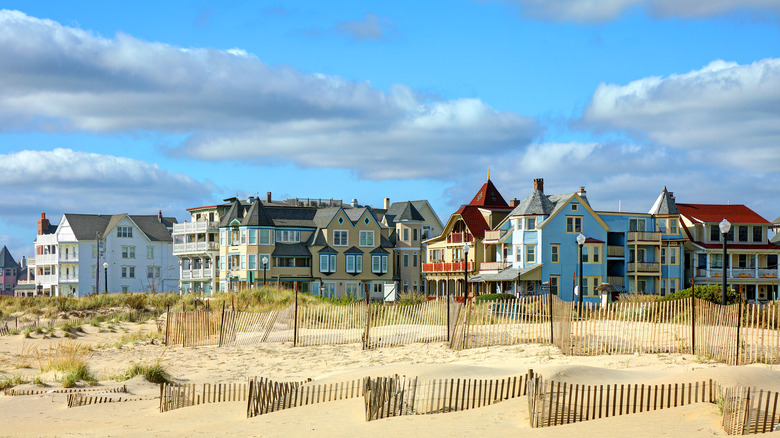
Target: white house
136, 254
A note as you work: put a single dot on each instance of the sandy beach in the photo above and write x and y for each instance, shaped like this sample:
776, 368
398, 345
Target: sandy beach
48, 415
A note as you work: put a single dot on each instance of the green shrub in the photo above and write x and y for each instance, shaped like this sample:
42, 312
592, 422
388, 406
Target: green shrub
494, 297
152, 373
411, 298
711, 293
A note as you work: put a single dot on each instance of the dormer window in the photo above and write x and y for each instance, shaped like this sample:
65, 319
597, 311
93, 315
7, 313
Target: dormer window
575, 206
758, 234
530, 223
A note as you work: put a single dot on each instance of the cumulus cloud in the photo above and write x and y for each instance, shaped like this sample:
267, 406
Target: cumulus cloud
722, 110
230, 105
607, 10
370, 27
63, 180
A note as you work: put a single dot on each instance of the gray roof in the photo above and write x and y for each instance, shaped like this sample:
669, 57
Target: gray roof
379, 250
302, 217
354, 250
291, 250
6, 260
259, 214
403, 211
664, 204
87, 226
507, 274
539, 204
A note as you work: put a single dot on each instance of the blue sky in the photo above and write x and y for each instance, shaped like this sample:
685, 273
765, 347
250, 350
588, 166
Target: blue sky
114, 107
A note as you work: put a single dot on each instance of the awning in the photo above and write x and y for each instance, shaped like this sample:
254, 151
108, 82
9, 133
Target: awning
510, 274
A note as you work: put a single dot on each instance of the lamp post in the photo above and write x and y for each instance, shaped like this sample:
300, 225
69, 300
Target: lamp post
265, 267
465, 272
322, 288
580, 242
105, 276
724, 226
40, 289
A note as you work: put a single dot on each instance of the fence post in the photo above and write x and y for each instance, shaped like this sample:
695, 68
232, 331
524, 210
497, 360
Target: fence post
295, 323
693, 316
167, 323
222, 325
552, 326
366, 341
739, 319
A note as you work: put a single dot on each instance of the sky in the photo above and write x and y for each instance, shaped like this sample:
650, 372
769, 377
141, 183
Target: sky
112, 107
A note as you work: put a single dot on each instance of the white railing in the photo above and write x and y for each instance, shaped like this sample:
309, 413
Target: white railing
46, 239
183, 248
69, 279
195, 274
46, 259
195, 227
46, 279
70, 259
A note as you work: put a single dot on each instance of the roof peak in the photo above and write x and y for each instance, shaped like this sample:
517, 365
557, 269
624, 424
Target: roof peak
488, 196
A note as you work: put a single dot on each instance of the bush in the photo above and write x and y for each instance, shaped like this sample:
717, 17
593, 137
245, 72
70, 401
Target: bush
152, 373
711, 293
409, 298
494, 297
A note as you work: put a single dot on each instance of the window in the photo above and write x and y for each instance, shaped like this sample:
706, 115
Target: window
406, 259
575, 206
243, 261
672, 256
252, 262
287, 236
584, 253
714, 233
340, 238
125, 289
222, 237
366, 238
555, 253
128, 271
662, 225
742, 261
636, 225
243, 237
406, 234
352, 290
530, 223
329, 291
530, 253
414, 234
265, 237
554, 280
152, 272
758, 234
354, 263
149, 252
414, 286
379, 264
663, 256
742, 231
406, 285
124, 231
414, 260
574, 224
673, 226
327, 262
716, 260
595, 258
253, 237
771, 261
672, 285
128, 252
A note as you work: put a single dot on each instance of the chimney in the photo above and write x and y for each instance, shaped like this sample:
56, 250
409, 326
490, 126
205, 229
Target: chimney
354, 202
251, 199
387, 203
671, 195
581, 191
24, 262
539, 184
43, 224
267, 196
513, 203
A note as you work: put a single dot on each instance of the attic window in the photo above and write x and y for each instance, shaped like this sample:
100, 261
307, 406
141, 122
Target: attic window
341, 220
574, 206
366, 221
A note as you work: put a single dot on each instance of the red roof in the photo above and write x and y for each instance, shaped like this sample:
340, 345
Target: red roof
474, 220
736, 213
488, 197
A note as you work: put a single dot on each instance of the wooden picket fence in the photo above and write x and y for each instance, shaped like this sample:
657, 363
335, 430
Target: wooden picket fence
749, 411
267, 396
82, 399
175, 395
509, 322
395, 396
39, 391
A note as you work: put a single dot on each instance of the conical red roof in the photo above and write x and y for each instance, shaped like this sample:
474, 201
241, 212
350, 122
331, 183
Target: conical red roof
488, 197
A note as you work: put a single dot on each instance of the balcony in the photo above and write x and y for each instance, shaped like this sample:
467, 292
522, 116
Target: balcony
195, 227
736, 273
459, 238
492, 235
46, 239
494, 266
196, 274
71, 258
615, 251
69, 279
617, 281
652, 237
644, 268
447, 267
46, 279
194, 247
46, 259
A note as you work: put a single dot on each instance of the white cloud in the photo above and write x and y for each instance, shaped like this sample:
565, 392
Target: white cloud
235, 107
63, 180
722, 111
607, 10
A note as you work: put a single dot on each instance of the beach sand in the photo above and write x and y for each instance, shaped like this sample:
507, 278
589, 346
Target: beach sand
48, 414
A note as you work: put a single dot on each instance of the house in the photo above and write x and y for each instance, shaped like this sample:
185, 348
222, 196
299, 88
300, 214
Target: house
90, 253
751, 260
459, 251
10, 271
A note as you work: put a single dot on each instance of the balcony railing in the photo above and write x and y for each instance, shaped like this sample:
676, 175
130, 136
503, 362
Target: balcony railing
69, 279
494, 266
646, 267
69, 259
615, 251
447, 267
459, 238
46, 239
191, 247
195, 227
492, 235
46, 259
644, 236
46, 279
717, 272
618, 281
193, 274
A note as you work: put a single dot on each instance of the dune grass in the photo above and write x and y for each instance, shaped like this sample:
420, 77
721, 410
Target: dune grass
70, 359
154, 373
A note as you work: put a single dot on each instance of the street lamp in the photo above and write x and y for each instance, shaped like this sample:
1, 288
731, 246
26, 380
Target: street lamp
322, 289
580, 242
724, 226
465, 272
105, 276
40, 289
265, 267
